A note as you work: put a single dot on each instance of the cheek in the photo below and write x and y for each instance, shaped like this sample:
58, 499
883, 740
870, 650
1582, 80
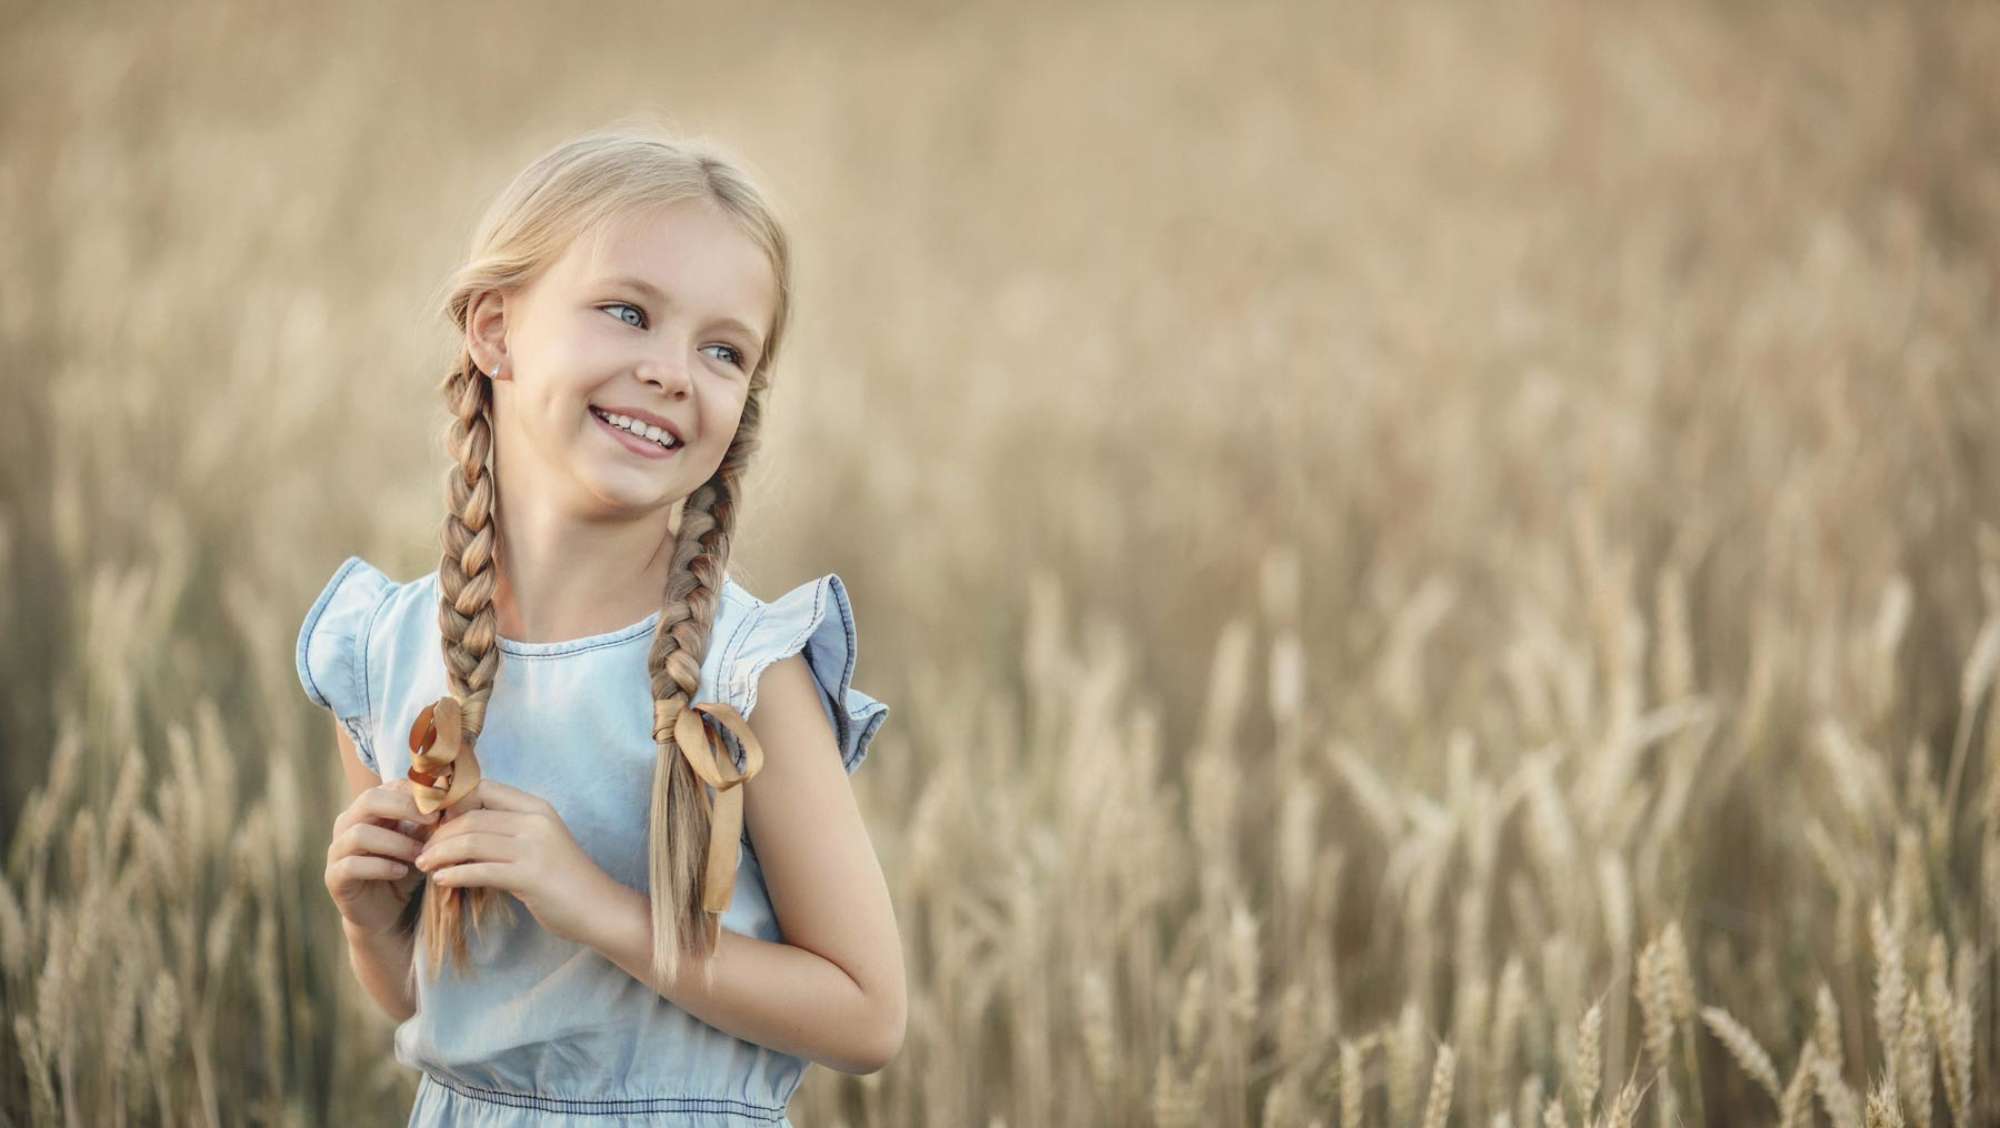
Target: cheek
722, 422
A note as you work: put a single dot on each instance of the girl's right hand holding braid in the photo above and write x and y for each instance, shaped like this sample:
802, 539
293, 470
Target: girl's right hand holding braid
368, 865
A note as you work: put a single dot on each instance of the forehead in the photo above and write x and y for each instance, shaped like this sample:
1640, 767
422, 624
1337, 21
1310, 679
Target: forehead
691, 250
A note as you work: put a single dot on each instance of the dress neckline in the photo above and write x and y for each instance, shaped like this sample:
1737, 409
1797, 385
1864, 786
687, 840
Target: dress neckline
572, 645
562, 647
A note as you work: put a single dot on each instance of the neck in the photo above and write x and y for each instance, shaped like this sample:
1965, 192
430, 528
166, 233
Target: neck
564, 574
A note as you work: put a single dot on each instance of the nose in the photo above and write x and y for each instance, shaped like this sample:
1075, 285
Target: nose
669, 375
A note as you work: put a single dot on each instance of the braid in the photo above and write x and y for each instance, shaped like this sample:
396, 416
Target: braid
677, 844
466, 575
466, 582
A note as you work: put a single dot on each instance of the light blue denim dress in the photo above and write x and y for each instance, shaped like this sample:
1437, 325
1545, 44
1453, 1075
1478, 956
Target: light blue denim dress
549, 1031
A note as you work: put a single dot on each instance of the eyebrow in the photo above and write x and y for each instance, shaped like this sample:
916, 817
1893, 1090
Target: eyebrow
655, 293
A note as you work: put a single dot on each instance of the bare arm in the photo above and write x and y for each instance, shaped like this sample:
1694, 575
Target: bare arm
381, 960
834, 992
382, 963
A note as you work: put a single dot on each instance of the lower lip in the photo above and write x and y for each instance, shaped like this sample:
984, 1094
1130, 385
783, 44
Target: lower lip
644, 447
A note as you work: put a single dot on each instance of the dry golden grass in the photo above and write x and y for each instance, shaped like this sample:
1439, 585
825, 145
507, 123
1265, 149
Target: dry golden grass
1417, 550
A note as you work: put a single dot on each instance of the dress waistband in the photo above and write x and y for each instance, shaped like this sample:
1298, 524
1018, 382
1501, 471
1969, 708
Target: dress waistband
713, 1106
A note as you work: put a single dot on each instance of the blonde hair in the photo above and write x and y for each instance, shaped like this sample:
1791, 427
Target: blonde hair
562, 195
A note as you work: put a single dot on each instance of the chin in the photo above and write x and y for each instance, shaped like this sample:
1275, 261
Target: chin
630, 491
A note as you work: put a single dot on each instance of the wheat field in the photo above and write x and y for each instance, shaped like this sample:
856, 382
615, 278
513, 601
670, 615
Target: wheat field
1434, 564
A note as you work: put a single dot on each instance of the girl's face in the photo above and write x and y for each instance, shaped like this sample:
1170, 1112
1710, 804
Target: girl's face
659, 315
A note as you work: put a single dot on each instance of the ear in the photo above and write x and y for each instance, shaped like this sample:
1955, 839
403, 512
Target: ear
486, 332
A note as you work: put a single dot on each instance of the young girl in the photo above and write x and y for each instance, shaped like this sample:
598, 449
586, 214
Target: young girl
541, 720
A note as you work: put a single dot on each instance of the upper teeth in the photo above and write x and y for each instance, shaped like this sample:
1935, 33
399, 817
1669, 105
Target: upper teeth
638, 428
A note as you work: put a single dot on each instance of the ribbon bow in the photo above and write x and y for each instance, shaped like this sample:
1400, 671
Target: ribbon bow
442, 765
705, 753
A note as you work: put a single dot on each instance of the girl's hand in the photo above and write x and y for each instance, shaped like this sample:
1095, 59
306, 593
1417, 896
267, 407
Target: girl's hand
505, 838
366, 864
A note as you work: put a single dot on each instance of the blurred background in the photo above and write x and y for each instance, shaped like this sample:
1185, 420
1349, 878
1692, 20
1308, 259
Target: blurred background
1435, 563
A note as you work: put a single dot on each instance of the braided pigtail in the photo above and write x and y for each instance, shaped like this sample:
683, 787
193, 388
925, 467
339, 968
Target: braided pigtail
466, 583
678, 841
563, 195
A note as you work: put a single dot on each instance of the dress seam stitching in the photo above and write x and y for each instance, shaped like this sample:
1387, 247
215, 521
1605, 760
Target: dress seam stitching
606, 1107
368, 694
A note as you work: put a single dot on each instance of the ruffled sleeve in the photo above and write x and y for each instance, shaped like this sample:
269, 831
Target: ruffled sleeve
332, 651
814, 618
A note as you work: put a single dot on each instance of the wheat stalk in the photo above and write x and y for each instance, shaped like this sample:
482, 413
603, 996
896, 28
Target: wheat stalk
1951, 1032
1508, 1011
1439, 1104
1890, 983
1882, 1110
1744, 1047
1528, 1102
13, 935
1913, 1061
1625, 1110
1095, 1013
1589, 1038
1353, 1084
1406, 1053
1654, 990
1834, 1095
1796, 1107
1826, 1029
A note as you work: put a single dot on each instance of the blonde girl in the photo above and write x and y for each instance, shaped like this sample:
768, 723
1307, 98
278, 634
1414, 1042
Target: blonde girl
580, 713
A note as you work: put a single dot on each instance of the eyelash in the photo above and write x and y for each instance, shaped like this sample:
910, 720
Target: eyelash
736, 355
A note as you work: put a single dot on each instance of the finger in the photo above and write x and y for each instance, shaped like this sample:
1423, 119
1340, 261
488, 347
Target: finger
403, 815
489, 821
462, 848
384, 806
490, 793
356, 868
366, 838
404, 803
497, 875
415, 828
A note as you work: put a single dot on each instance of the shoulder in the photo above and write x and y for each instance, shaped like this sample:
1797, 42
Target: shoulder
810, 599
737, 596
337, 652
814, 619
785, 624
358, 611
411, 605
334, 634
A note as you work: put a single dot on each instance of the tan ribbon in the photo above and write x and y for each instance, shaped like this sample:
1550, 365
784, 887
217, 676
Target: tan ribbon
708, 756
442, 765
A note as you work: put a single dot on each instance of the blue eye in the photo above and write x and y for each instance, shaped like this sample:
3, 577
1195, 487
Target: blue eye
735, 356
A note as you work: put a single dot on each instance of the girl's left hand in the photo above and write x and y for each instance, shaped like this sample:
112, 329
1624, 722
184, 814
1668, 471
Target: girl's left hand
505, 838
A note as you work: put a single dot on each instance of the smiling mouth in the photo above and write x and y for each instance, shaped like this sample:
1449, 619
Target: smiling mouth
664, 444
